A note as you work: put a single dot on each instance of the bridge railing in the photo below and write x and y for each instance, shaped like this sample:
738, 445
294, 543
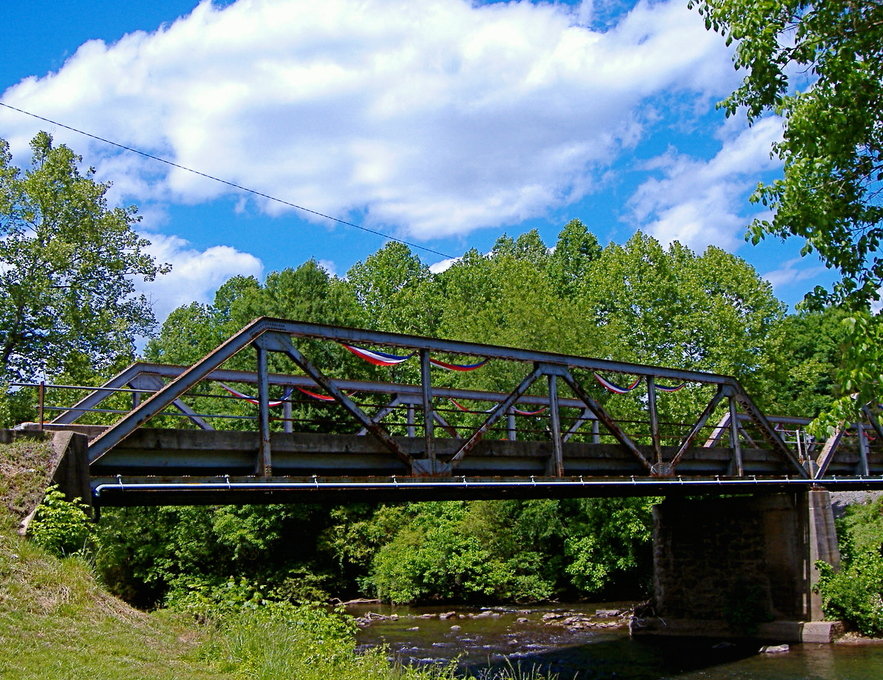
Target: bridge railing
556, 398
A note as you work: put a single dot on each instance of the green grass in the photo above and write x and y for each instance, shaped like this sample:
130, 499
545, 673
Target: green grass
58, 623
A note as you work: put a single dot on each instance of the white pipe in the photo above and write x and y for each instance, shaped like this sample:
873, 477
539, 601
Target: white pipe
464, 483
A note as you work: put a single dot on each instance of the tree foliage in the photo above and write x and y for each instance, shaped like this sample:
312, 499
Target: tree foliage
67, 265
639, 301
832, 146
854, 594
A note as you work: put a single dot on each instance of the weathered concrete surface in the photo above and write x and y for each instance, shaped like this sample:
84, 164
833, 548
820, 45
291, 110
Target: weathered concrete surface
71, 469
741, 566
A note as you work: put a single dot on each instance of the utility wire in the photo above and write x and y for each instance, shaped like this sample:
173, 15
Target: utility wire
227, 182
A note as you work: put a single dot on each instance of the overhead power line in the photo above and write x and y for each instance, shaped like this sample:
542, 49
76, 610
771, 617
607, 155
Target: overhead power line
234, 185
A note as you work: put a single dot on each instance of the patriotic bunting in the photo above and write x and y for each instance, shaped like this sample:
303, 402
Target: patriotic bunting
613, 387
322, 397
254, 400
377, 358
514, 410
383, 359
314, 395
458, 367
663, 388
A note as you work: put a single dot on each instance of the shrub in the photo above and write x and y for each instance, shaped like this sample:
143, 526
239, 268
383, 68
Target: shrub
855, 593
60, 526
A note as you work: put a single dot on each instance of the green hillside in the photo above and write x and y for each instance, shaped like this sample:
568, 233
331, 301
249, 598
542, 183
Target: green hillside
56, 621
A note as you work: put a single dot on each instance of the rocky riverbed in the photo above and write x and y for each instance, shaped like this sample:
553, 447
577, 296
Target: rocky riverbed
599, 619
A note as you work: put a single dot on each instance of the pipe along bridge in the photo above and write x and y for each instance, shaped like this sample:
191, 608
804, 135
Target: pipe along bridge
349, 415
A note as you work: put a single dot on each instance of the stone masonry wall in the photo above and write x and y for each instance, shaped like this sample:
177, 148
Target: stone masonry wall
731, 559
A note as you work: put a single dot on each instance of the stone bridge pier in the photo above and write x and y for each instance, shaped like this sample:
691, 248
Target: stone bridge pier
741, 567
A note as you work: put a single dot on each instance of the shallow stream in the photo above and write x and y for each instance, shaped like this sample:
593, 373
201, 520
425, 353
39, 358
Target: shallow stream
497, 637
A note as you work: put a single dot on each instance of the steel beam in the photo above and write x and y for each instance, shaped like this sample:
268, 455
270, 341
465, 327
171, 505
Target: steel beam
735, 445
414, 342
154, 383
278, 342
766, 429
698, 425
654, 418
863, 468
265, 462
98, 395
606, 418
557, 460
160, 400
828, 452
497, 413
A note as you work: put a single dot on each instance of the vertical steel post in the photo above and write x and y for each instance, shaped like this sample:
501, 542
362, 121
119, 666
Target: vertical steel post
287, 425
555, 416
596, 432
511, 433
654, 418
411, 420
41, 395
265, 462
862, 450
734, 439
428, 416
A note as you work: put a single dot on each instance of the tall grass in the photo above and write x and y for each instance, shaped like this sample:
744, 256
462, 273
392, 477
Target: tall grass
309, 644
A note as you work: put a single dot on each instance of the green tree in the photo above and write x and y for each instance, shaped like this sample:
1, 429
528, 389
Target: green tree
800, 361
67, 266
819, 65
671, 307
832, 147
396, 290
574, 253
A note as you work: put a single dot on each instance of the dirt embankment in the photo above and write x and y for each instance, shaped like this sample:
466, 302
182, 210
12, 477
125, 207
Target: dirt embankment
26, 466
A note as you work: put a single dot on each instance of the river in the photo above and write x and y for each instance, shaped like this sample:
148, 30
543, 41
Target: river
481, 639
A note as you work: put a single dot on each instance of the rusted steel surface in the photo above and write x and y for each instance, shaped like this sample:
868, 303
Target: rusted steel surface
532, 431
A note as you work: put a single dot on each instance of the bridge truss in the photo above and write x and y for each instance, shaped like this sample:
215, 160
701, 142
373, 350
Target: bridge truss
553, 428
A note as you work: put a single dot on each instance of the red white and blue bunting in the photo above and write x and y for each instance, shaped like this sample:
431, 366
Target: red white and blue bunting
616, 389
378, 358
517, 411
457, 367
322, 397
664, 388
613, 387
254, 400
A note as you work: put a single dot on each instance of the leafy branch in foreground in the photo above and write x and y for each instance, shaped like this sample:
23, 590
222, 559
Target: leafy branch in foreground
819, 65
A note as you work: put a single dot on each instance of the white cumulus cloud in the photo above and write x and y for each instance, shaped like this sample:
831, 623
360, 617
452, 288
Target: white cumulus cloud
699, 202
431, 117
195, 275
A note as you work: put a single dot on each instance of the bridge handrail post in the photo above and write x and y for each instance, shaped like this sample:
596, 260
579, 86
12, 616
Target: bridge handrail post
265, 456
428, 415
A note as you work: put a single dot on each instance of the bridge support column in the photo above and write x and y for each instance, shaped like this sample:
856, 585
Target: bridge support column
741, 567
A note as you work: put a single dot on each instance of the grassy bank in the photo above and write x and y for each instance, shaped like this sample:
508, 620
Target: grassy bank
58, 623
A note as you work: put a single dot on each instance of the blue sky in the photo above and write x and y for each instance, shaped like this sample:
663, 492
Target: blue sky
442, 122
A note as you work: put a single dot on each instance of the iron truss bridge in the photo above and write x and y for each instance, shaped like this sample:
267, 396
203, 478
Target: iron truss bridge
555, 426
